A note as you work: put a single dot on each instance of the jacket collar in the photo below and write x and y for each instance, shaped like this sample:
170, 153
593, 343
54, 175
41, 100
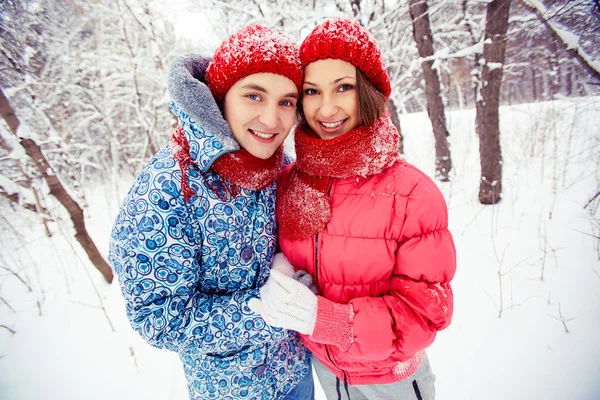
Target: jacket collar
207, 132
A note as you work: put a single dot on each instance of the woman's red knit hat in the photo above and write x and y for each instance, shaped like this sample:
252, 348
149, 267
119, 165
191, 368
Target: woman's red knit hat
253, 50
347, 40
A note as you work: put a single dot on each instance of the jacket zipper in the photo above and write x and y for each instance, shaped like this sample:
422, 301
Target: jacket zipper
317, 283
317, 261
317, 243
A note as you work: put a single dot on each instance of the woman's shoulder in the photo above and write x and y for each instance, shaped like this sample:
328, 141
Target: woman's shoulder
406, 178
406, 170
400, 179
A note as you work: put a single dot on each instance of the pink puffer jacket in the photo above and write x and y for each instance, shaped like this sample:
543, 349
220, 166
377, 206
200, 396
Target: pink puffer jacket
382, 266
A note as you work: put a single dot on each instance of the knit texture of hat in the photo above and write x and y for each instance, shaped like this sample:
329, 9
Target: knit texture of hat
347, 40
251, 50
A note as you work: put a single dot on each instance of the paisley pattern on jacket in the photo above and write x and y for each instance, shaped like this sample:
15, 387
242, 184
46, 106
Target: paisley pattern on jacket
187, 271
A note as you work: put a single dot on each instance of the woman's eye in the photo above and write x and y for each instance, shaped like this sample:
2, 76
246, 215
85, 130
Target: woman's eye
310, 92
346, 87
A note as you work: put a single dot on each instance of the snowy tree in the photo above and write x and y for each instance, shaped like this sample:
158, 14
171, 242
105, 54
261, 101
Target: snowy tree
35, 154
92, 77
419, 12
487, 122
88, 78
552, 50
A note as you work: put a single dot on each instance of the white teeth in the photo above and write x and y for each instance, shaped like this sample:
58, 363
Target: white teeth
332, 124
263, 135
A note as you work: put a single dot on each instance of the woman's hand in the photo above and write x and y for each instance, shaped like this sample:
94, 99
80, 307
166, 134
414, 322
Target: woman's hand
282, 264
286, 303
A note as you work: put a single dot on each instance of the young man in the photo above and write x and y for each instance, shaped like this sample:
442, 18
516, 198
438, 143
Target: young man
196, 234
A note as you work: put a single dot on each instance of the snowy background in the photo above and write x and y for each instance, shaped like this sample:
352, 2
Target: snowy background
88, 81
527, 288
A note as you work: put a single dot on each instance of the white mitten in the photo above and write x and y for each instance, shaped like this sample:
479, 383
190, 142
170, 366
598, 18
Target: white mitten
282, 264
286, 303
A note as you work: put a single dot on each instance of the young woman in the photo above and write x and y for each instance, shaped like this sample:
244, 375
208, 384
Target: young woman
368, 227
195, 236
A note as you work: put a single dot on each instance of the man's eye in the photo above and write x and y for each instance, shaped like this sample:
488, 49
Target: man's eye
253, 97
287, 103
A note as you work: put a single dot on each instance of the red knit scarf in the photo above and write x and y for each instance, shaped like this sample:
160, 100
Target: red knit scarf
240, 168
303, 207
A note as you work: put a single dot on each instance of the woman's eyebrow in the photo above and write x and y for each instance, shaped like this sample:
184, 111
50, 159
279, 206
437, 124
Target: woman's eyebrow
332, 82
339, 79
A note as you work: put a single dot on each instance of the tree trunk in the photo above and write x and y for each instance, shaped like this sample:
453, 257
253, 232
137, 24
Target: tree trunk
534, 86
15, 197
396, 122
555, 70
419, 13
487, 120
57, 190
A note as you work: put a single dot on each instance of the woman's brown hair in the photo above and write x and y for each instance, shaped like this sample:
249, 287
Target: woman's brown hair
371, 102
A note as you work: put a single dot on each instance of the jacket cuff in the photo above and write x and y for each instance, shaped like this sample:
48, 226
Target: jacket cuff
334, 324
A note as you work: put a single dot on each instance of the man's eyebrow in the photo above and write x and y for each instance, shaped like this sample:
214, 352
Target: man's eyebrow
332, 82
255, 87
263, 90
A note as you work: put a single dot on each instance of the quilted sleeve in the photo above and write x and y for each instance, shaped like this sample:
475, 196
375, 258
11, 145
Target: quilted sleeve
419, 301
155, 253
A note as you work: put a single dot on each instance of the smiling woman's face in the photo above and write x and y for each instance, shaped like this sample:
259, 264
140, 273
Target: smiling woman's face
330, 98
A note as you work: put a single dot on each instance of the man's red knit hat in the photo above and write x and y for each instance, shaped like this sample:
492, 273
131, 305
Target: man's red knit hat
347, 40
253, 50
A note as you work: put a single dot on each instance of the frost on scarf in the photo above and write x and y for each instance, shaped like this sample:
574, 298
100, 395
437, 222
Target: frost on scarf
247, 171
303, 209
304, 201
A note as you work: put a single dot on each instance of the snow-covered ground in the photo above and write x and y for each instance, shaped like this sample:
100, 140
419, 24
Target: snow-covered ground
527, 288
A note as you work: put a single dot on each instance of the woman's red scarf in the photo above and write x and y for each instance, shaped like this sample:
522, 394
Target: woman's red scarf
303, 207
240, 168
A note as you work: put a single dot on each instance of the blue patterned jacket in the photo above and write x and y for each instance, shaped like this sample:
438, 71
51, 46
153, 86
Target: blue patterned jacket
188, 269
